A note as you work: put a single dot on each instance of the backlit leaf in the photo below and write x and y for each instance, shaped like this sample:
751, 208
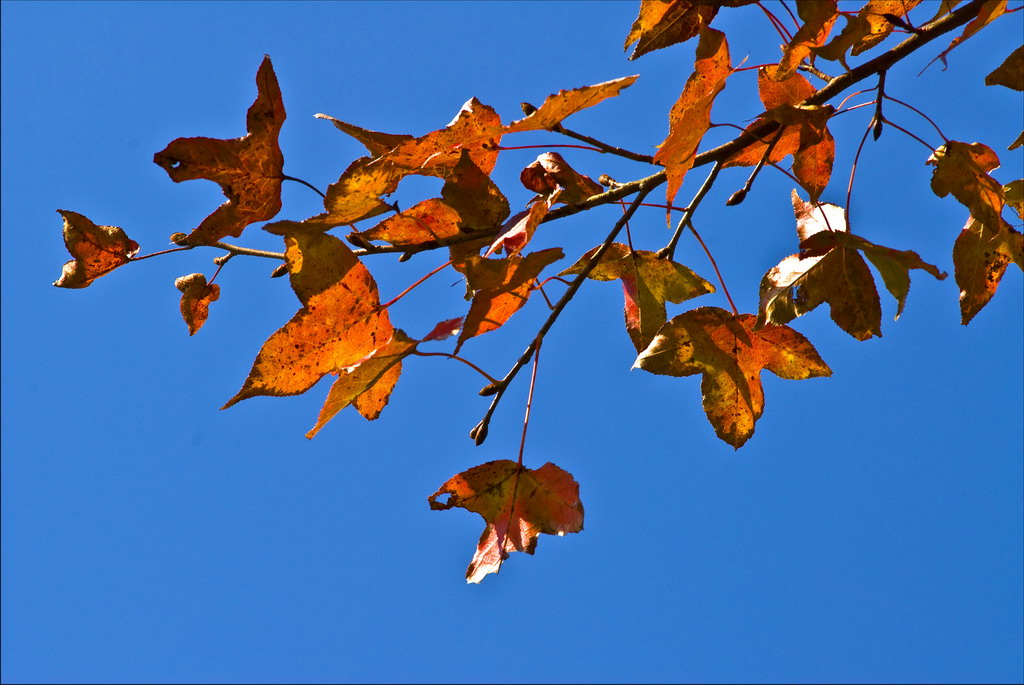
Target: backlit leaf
1010, 73
666, 22
517, 504
425, 222
248, 169
97, 250
550, 171
476, 129
980, 258
567, 102
730, 353
867, 28
987, 13
818, 17
474, 196
961, 169
196, 296
377, 143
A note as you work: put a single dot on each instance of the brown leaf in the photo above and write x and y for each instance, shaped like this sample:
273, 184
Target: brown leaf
356, 195
550, 171
476, 129
377, 143
425, 222
1013, 193
196, 296
248, 169
774, 94
730, 352
97, 250
647, 282
474, 196
662, 23
691, 114
987, 13
1010, 73
500, 288
818, 17
980, 258
517, 503
339, 324
867, 28
961, 169
567, 102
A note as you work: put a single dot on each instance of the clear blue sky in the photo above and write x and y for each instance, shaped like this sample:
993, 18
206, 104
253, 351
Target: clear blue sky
871, 530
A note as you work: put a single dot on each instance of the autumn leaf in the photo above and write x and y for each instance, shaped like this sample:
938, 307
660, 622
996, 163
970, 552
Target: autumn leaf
550, 171
962, 169
980, 258
339, 324
869, 27
730, 352
357, 193
519, 229
1013, 193
567, 102
517, 504
475, 129
691, 114
377, 143
97, 250
1010, 73
196, 296
423, 223
987, 13
647, 282
662, 23
500, 288
829, 269
248, 169
818, 17
474, 196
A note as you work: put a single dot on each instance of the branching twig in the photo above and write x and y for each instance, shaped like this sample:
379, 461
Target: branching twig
669, 250
604, 147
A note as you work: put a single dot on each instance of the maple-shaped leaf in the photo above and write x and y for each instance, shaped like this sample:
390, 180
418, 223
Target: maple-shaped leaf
97, 250
567, 102
477, 199
830, 269
424, 222
339, 324
730, 352
475, 129
500, 288
517, 503
357, 194
647, 283
550, 171
980, 258
691, 114
1010, 73
374, 141
662, 23
818, 17
962, 169
869, 27
196, 296
249, 169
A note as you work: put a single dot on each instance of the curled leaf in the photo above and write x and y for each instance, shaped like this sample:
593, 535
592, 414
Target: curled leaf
196, 296
980, 258
97, 250
550, 171
962, 169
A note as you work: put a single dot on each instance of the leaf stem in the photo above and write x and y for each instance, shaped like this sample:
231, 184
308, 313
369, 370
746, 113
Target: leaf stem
529, 401
900, 128
604, 147
669, 250
714, 265
915, 109
545, 147
305, 183
402, 294
161, 252
456, 357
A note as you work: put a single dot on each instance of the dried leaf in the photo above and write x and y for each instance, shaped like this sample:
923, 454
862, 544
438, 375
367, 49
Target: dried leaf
1010, 73
980, 258
567, 102
550, 171
987, 13
97, 250
867, 28
1013, 193
475, 129
196, 296
377, 143
339, 324
248, 169
647, 282
662, 23
691, 114
730, 353
519, 229
517, 503
474, 196
961, 169
774, 94
425, 222
818, 17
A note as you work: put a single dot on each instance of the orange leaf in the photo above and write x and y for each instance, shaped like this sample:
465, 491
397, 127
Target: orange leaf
730, 353
867, 28
980, 258
339, 324
377, 143
550, 171
196, 296
519, 229
517, 503
248, 169
987, 13
97, 250
648, 283
425, 222
500, 288
818, 16
662, 23
476, 129
691, 114
474, 196
774, 94
567, 102
1010, 73
961, 169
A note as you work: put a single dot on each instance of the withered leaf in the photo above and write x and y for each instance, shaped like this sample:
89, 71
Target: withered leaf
962, 169
475, 129
339, 324
567, 102
248, 169
662, 23
691, 114
730, 352
500, 288
1013, 193
196, 296
550, 171
374, 141
818, 17
97, 250
867, 28
474, 196
424, 222
987, 13
519, 229
1010, 73
980, 258
517, 504
647, 283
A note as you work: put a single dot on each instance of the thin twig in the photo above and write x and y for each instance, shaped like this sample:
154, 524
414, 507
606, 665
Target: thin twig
926, 117
529, 401
402, 294
669, 250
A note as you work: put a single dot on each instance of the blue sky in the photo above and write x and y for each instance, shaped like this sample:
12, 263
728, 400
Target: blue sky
871, 530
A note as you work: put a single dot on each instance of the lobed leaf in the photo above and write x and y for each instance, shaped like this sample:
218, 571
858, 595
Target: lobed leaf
97, 250
425, 222
869, 27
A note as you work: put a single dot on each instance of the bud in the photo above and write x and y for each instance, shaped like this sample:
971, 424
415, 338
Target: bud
736, 198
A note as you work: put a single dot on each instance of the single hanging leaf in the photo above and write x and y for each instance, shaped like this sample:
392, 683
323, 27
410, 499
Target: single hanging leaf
567, 102
97, 250
1010, 73
500, 288
691, 114
962, 169
479, 203
550, 171
647, 283
377, 143
339, 324
517, 504
357, 194
980, 258
196, 296
248, 169
730, 352
818, 17
423, 223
